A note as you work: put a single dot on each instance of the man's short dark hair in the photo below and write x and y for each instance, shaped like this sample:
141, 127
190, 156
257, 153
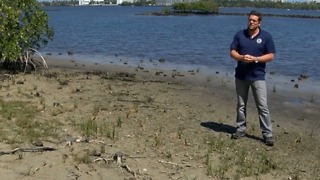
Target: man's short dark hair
256, 13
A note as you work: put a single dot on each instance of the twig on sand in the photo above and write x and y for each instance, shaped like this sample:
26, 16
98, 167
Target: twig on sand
117, 158
174, 164
127, 168
32, 149
103, 159
78, 168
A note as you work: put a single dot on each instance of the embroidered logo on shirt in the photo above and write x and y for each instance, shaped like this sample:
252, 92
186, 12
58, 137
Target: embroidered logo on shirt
259, 40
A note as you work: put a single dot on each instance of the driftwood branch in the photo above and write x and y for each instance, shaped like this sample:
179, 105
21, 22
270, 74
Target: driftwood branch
33, 149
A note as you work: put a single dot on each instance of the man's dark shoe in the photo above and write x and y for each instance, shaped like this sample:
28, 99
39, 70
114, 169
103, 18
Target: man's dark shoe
268, 141
237, 135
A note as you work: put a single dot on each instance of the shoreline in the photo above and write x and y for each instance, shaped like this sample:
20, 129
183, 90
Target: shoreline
226, 14
296, 89
286, 102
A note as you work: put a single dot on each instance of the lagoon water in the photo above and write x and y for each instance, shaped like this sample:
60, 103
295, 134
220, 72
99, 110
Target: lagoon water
114, 34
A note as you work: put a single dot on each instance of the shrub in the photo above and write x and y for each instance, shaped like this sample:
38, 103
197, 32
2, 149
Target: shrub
23, 29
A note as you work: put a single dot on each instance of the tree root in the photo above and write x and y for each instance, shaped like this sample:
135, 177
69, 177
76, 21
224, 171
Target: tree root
28, 59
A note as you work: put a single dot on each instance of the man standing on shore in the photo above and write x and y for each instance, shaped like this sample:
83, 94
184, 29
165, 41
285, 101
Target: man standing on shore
252, 48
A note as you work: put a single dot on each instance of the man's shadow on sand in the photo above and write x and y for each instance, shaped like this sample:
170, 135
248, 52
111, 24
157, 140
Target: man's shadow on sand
225, 128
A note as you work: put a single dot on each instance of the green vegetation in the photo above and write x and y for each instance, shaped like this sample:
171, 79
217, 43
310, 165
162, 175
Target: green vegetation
139, 3
252, 4
92, 128
23, 27
240, 161
310, 5
202, 7
19, 124
59, 3
269, 4
212, 7
105, 2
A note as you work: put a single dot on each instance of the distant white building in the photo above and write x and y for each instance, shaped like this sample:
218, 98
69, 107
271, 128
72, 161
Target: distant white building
130, 1
98, 1
87, 2
84, 2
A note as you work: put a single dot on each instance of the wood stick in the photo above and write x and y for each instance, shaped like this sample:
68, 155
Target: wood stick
33, 149
175, 164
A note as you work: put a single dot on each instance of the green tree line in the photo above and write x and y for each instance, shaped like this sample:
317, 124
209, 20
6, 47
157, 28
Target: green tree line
202, 6
76, 2
212, 6
313, 5
269, 4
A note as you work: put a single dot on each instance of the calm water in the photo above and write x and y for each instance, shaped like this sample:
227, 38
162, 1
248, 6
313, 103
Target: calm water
98, 33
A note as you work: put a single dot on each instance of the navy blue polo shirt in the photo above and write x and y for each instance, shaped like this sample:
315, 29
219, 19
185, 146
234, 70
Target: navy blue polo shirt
257, 46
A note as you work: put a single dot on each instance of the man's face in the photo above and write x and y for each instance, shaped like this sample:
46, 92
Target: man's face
253, 22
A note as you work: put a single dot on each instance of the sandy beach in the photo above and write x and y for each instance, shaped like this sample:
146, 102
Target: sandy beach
102, 121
